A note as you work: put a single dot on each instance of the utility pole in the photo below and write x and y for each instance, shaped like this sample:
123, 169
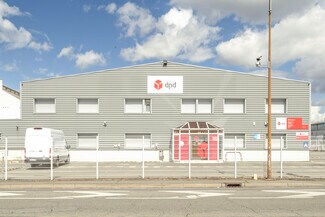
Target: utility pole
269, 113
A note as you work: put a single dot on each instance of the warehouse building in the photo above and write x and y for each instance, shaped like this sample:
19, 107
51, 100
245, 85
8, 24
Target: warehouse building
9, 103
318, 131
174, 111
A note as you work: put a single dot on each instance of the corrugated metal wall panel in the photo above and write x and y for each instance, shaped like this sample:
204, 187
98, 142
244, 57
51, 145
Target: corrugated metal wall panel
113, 86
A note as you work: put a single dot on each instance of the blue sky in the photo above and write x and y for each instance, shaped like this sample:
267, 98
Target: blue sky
46, 38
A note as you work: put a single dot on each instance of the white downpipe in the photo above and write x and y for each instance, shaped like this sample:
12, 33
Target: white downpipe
97, 164
281, 160
143, 157
235, 157
6, 158
51, 152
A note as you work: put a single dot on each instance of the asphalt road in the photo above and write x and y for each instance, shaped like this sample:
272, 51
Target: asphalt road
164, 202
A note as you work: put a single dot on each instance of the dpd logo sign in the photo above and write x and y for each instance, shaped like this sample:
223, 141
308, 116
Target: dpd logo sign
158, 84
165, 84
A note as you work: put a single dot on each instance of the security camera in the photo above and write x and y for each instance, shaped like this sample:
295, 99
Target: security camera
258, 61
104, 124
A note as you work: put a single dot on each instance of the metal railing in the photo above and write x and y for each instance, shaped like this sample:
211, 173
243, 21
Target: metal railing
98, 166
317, 145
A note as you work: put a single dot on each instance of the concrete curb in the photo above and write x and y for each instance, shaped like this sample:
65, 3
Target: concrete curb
158, 184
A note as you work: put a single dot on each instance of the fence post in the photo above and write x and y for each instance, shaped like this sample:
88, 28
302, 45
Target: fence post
6, 158
142, 156
51, 152
189, 159
281, 161
97, 166
235, 157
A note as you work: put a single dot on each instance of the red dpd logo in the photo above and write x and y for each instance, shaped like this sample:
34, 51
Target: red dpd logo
158, 84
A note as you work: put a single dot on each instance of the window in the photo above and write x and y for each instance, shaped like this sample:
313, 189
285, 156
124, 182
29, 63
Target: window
276, 141
87, 140
188, 106
229, 141
278, 106
321, 126
87, 106
137, 106
234, 106
313, 127
44, 105
135, 141
202, 106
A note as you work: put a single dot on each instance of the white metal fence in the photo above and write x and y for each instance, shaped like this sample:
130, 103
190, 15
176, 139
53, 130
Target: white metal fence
317, 145
233, 165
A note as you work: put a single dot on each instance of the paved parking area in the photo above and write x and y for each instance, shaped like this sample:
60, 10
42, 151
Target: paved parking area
315, 169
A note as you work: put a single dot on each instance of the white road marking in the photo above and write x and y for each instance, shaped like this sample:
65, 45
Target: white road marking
298, 194
199, 194
147, 198
7, 194
88, 194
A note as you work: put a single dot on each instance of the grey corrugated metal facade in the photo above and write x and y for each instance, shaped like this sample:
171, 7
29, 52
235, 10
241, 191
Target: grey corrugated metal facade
112, 87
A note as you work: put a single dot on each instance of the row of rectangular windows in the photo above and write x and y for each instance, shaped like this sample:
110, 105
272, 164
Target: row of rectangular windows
188, 106
320, 126
137, 140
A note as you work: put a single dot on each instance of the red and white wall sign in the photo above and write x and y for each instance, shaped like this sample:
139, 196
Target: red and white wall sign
290, 124
302, 136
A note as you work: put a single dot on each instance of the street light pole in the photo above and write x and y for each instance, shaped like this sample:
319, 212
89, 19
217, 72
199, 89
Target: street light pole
269, 113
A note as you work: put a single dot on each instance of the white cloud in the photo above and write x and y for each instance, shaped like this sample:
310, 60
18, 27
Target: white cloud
90, 58
6, 10
40, 46
179, 34
111, 8
67, 52
297, 39
44, 72
10, 67
14, 37
316, 115
41, 71
248, 11
83, 60
86, 8
135, 20
243, 49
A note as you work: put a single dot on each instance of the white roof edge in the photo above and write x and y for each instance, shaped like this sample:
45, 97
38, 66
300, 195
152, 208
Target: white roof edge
92, 72
185, 64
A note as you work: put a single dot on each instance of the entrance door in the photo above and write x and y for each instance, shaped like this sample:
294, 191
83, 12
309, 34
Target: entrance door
213, 147
184, 146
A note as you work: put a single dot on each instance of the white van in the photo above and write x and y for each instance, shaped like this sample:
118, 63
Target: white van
41, 142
